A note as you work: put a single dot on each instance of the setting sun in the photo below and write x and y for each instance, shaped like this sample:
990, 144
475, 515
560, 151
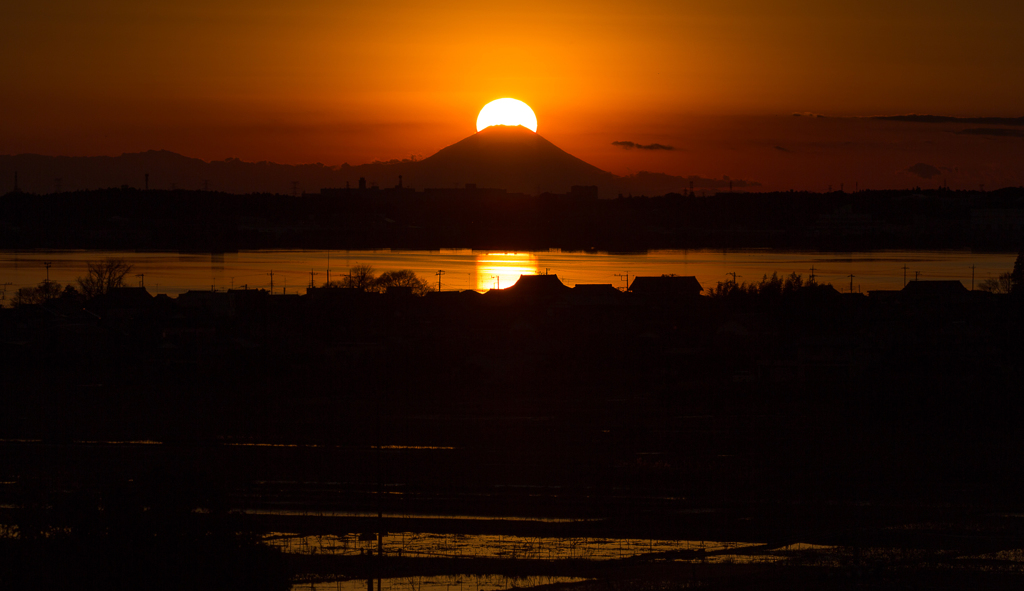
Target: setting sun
506, 111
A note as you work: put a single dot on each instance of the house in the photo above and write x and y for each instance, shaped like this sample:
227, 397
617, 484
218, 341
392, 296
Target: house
667, 286
537, 288
594, 294
934, 291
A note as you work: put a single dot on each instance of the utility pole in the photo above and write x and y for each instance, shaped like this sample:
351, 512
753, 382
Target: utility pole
47, 265
734, 276
142, 279
812, 273
972, 277
624, 276
439, 273
3, 292
905, 275
271, 282
916, 275
311, 276
851, 282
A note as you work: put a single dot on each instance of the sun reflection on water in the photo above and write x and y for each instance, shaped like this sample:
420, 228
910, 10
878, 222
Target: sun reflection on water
502, 269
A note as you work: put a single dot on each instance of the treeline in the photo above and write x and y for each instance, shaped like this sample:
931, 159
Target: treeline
100, 278
483, 219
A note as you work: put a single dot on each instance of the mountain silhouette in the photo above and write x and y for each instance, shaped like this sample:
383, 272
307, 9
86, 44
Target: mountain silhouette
508, 157
498, 157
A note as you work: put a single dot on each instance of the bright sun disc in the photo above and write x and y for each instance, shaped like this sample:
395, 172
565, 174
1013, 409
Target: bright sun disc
506, 111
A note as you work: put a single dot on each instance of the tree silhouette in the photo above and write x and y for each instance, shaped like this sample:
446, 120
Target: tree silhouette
401, 278
103, 276
40, 294
361, 277
1003, 284
1017, 275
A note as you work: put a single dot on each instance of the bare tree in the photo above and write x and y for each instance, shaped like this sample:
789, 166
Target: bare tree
361, 277
1017, 275
402, 278
103, 276
1004, 284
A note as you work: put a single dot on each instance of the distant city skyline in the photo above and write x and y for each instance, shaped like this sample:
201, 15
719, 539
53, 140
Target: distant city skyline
323, 82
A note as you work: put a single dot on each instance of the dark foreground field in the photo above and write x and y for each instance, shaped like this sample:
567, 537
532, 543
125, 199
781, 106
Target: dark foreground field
832, 442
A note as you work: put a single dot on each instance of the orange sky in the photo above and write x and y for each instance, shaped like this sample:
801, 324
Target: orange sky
318, 81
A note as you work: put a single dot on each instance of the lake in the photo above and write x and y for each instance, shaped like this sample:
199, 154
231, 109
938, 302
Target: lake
174, 273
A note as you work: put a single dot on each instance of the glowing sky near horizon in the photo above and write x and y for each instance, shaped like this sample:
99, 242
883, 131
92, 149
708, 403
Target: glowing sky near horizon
318, 81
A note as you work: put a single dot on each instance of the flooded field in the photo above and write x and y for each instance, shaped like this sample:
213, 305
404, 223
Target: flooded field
440, 583
416, 544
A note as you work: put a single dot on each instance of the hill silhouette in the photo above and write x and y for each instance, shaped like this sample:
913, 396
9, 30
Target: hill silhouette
499, 157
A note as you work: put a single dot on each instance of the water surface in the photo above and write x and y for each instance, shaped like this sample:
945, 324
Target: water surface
293, 270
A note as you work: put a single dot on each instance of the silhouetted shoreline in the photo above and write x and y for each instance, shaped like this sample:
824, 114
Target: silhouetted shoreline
481, 218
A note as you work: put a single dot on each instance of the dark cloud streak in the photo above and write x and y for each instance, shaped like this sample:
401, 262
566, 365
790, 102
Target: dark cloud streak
631, 145
925, 171
993, 131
